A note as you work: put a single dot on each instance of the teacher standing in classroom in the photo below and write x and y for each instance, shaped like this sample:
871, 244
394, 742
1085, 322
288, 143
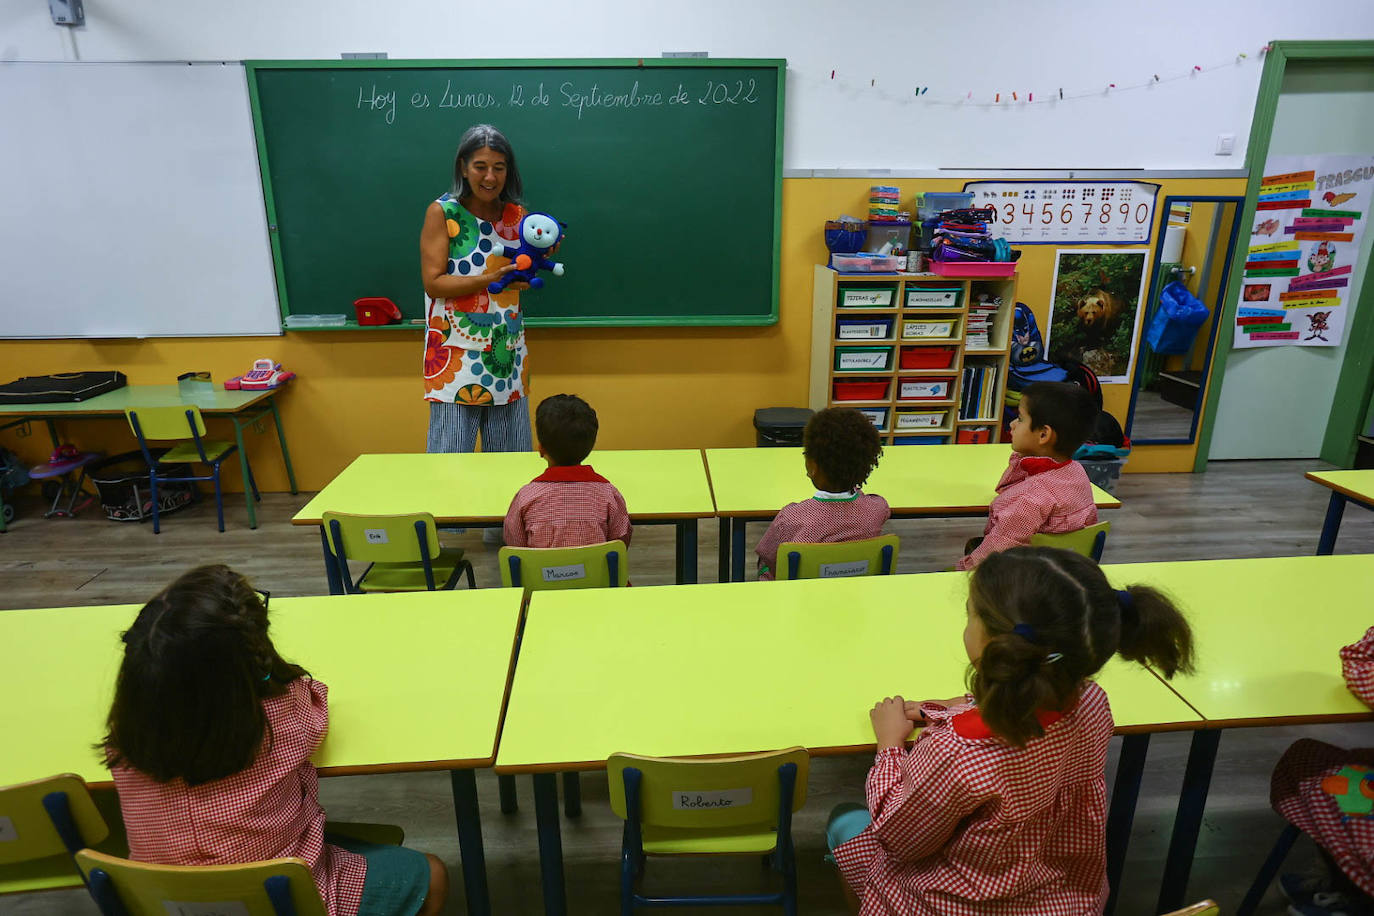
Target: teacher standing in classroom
475, 358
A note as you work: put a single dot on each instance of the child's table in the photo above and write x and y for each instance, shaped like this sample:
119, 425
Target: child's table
416, 682
475, 489
916, 480
736, 668
1346, 486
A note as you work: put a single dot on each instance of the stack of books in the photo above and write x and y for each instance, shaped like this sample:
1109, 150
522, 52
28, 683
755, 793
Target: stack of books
981, 312
979, 390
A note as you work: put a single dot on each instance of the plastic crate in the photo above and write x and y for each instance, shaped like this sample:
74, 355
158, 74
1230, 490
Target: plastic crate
869, 327
920, 419
933, 297
928, 329
1104, 473
125, 493
927, 357
859, 389
920, 440
931, 388
863, 359
876, 415
867, 296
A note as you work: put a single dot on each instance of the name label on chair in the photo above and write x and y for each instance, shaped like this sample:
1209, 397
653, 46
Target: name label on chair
564, 573
840, 570
724, 798
375, 535
205, 908
7, 832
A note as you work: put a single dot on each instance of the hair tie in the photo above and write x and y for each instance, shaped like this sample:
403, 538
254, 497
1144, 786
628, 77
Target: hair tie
1053, 657
1125, 599
1026, 632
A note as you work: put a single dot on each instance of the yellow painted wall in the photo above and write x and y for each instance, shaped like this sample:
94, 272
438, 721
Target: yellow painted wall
652, 387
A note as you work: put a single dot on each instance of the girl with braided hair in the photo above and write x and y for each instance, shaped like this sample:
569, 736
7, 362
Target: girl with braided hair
209, 741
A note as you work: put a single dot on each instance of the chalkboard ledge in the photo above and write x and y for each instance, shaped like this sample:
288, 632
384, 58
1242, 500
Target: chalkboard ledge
352, 325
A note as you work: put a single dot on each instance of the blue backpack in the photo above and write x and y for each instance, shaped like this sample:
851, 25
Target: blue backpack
1028, 363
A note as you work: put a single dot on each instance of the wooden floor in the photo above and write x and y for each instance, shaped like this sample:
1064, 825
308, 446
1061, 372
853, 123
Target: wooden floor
1236, 509
1156, 418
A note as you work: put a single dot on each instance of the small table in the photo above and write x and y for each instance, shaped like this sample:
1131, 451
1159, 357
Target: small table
1262, 661
1346, 486
735, 668
243, 408
916, 480
476, 488
424, 691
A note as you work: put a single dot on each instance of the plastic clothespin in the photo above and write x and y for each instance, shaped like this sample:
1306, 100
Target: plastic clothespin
1013, 96
832, 74
1030, 96
1156, 77
1196, 68
1061, 93
998, 97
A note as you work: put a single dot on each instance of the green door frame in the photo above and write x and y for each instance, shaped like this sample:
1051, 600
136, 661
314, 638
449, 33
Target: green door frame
1356, 380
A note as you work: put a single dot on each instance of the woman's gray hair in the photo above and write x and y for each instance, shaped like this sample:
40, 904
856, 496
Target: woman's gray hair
474, 138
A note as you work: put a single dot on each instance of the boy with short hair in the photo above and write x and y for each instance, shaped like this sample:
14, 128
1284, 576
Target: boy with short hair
569, 505
841, 449
1043, 489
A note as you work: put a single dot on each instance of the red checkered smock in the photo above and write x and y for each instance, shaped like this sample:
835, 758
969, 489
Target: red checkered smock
825, 518
1296, 790
269, 811
569, 506
1035, 495
965, 824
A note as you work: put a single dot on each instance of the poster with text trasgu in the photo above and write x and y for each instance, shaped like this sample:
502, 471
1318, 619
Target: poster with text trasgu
1305, 241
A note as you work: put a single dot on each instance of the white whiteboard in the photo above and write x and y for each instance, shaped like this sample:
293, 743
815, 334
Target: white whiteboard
132, 203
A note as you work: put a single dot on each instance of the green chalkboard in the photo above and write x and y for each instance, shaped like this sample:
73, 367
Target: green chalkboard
668, 174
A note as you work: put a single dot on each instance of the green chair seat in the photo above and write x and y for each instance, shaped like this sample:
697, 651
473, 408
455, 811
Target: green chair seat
32, 864
1087, 541
185, 453
410, 577
688, 841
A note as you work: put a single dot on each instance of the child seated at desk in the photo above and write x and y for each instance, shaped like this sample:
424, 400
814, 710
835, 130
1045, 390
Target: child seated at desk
210, 738
999, 805
1043, 489
569, 505
1320, 789
841, 449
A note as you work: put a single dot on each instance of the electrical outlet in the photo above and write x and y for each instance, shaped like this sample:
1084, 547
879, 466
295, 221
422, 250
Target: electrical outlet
67, 12
1226, 144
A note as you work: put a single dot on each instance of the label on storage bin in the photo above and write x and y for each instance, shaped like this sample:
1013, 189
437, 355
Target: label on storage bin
924, 389
859, 297
720, 798
927, 328
205, 908
919, 420
375, 535
876, 415
841, 570
933, 297
564, 573
875, 359
872, 331
7, 832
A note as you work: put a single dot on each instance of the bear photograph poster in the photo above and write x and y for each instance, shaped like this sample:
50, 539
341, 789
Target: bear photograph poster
1095, 313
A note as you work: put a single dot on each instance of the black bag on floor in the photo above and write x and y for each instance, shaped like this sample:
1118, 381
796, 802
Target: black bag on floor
125, 492
63, 388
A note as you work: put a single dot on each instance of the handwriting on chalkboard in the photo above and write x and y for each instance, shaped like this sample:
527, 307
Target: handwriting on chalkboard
577, 99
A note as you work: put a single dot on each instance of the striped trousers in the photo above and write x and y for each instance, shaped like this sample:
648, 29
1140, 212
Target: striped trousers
502, 428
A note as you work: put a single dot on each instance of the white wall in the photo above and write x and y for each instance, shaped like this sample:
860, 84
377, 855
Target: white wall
985, 46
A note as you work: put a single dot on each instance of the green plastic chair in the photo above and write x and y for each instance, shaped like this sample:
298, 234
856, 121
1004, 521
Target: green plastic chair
402, 551
44, 823
1088, 541
1201, 908
841, 559
556, 568
697, 806
278, 887
187, 426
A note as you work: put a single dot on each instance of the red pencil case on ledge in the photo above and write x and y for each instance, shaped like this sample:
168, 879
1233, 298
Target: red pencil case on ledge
375, 310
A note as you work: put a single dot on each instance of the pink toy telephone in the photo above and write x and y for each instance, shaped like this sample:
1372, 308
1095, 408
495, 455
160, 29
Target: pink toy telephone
265, 374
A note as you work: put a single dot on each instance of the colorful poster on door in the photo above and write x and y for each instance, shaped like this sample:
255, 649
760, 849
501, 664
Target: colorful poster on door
1309, 217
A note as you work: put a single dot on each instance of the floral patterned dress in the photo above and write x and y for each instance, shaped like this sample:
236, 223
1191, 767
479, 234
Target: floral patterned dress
475, 345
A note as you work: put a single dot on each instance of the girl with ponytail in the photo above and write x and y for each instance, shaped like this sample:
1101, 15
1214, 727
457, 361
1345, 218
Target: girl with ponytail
1001, 801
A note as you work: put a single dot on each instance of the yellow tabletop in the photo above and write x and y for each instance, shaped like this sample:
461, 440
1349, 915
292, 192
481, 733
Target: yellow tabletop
914, 479
478, 486
213, 400
1268, 634
1356, 484
416, 681
750, 666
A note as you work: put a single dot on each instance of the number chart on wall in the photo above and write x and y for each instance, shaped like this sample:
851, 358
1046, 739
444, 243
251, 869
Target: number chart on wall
1069, 212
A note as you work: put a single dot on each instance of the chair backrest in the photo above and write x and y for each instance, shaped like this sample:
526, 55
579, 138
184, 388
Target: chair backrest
708, 793
1202, 908
382, 538
125, 888
166, 422
47, 817
871, 557
1088, 541
546, 568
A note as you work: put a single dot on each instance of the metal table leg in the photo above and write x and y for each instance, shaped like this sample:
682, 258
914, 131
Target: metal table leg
1129, 768
1197, 777
550, 844
281, 438
470, 848
331, 567
687, 541
737, 527
247, 478
1335, 509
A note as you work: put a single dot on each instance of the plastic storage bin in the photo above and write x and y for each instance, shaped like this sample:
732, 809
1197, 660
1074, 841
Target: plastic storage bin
876, 415
920, 440
863, 359
874, 264
868, 296
1104, 472
908, 418
125, 493
926, 329
780, 426
975, 269
933, 297
932, 388
859, 389
927, 357
933, 203
870, 327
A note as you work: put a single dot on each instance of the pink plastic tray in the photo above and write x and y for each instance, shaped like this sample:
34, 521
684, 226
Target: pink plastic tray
973, 268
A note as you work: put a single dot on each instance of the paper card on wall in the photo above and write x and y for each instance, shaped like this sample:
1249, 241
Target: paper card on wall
375, 535
7, 832
690, 800
564, 573
1069, 212
1303, 247
842, 570
204, 908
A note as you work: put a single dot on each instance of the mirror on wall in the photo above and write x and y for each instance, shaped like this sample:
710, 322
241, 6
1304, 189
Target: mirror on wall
1192, 258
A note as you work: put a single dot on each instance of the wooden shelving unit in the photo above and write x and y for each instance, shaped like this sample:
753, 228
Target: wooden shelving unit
904, 314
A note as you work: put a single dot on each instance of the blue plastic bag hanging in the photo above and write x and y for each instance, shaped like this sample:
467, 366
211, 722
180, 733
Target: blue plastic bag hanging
1176, 321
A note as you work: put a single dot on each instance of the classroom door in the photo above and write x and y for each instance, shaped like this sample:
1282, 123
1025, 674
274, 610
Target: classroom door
1275, 402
